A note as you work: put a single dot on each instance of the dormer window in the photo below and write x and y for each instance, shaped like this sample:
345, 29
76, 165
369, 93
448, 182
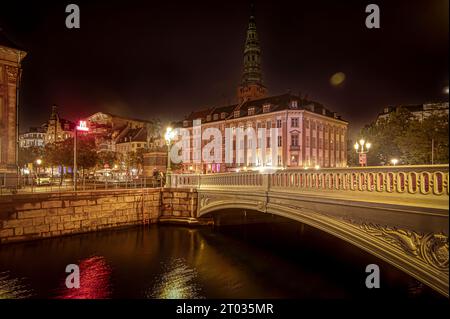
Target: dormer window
216, 117
237, 113
208, 117
185, 123
324, 112
223, 115
266, 108
294, 104
251, 111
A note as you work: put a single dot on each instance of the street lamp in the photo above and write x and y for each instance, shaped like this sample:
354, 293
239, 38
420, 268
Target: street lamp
394, 161
38, 163
362, 148
169, 136
80, 127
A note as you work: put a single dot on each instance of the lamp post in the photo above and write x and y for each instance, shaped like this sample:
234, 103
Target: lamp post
170, 134
362, 148
394, 161
38, 163
80, 127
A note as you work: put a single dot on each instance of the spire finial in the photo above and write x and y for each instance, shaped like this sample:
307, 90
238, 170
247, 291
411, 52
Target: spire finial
251, 83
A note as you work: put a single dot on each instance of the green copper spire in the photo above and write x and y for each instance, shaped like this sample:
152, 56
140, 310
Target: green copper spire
251, 87
252, 54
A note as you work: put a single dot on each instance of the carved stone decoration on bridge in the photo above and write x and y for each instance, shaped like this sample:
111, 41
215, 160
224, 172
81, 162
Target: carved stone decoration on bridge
204, 201
430, 248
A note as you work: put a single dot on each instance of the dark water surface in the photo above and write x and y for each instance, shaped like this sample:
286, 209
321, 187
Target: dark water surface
286, 260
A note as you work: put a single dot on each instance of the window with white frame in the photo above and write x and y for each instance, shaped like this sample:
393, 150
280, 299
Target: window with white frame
294, 104
294, 140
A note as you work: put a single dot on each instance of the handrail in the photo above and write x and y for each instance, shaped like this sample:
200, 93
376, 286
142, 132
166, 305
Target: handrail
411, 179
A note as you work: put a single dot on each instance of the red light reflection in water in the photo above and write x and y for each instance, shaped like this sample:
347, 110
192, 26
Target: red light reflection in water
94, 281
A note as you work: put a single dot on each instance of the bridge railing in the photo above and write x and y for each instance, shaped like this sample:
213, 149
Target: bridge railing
423, 180
418, 179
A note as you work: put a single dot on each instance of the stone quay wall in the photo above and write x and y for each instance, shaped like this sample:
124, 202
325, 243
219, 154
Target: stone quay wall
40, 215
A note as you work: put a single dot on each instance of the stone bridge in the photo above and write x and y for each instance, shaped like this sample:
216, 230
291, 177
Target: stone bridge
397, 213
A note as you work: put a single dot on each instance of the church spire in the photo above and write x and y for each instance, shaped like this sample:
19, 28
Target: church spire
252, 86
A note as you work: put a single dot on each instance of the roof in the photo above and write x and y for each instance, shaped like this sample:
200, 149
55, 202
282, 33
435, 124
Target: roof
6, 42
413, 108
277, 103
122, 117
133, 135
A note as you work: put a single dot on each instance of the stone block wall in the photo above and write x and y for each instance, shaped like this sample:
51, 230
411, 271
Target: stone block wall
32, 216
178, 203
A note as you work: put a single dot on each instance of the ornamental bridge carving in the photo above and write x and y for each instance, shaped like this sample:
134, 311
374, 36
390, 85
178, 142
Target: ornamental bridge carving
397, 213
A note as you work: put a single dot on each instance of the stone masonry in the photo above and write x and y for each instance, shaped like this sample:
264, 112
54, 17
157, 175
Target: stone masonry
32, 216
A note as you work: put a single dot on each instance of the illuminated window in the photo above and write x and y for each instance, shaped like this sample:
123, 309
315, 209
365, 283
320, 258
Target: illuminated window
294, 140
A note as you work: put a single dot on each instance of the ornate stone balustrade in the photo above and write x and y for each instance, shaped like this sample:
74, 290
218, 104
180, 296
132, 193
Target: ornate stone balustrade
424, 180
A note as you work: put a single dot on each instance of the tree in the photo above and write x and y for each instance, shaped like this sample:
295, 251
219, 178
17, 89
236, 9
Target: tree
416, 143
29, 155
407, 138
107, 157
61, 153
86, 152
135, 159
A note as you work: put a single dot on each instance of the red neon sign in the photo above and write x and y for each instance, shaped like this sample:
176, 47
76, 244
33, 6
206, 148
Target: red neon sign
82, 126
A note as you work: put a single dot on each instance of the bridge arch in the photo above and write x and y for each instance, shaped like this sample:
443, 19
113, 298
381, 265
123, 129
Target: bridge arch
390, 245
399, 214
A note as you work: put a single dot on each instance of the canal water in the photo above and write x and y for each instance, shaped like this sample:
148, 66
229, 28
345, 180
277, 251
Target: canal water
284, 260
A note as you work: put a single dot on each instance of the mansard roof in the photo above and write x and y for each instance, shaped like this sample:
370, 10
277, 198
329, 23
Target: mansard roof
277, 103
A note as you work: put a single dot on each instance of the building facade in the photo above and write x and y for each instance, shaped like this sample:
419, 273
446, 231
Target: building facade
10, 72
115, 133
419, 111
35, 137
131, 140
58, 129
307, 133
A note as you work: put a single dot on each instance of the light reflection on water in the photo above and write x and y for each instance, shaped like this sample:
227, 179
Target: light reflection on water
94, 281
13, 288
167, 262
176, 281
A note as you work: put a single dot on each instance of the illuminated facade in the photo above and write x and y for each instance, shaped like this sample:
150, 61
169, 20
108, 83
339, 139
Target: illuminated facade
58, 129
308, 134
10, 71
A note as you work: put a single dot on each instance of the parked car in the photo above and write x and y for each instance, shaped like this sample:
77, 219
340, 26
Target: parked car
42, 179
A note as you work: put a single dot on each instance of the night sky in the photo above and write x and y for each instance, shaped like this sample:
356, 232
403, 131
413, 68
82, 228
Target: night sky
164, 59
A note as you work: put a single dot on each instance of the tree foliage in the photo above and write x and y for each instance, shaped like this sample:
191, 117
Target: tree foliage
407, 138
